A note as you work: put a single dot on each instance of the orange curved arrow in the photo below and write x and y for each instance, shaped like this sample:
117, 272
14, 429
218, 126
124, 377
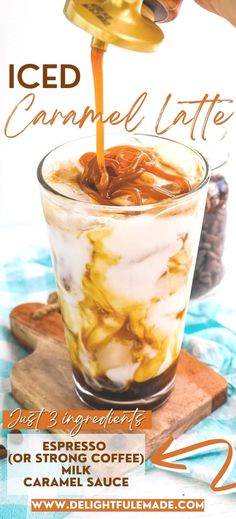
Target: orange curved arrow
160, 456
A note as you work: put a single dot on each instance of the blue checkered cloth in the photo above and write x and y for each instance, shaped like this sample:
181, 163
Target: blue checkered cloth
23, 279
210, 334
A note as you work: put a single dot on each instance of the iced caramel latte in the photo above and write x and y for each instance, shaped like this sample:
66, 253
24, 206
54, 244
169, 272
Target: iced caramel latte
124, 247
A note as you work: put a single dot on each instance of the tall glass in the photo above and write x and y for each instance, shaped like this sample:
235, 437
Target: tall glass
124, 277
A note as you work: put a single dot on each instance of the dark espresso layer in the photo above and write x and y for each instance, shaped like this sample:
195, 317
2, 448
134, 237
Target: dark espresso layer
136, 390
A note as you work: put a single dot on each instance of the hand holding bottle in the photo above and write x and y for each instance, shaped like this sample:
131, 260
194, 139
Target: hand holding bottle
226, 9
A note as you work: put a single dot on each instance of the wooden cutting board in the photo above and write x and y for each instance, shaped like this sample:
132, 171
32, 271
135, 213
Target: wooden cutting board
44, 378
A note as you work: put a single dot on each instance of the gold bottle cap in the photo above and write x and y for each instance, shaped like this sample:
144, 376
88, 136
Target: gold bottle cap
117, 22
161, 10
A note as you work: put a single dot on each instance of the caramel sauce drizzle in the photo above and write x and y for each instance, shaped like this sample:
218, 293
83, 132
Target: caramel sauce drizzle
128, 171
97, 66
125, 174
121, 172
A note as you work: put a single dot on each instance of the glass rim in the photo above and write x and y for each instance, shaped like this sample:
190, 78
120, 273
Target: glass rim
127, 208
